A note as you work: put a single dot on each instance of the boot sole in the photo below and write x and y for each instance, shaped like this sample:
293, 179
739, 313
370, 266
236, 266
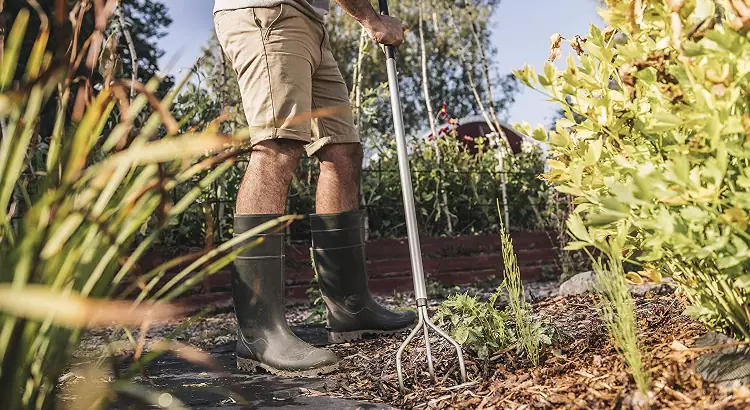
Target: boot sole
344, 337
253, 366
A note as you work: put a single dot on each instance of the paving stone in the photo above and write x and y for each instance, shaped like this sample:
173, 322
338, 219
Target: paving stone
227, 388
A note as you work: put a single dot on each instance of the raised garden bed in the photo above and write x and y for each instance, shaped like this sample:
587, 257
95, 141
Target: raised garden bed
447, 260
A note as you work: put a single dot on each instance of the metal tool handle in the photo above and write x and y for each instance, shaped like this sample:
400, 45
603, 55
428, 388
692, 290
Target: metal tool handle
420, 291
390, 51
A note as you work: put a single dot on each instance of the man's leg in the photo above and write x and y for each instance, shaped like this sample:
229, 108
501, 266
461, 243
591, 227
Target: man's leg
340, 167
265, 185
264, 339
337, 230
271, 50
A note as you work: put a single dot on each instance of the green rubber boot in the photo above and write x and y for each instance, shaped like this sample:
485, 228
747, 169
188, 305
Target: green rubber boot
339, 255
264, 339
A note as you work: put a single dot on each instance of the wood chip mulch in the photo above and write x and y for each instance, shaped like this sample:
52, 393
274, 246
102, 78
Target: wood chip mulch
580, 371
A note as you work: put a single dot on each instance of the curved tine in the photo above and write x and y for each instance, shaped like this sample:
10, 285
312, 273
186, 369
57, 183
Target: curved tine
459, 351
428, 350
420, 324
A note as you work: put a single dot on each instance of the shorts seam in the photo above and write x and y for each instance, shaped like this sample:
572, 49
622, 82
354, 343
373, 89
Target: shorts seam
277, 133
313, 147
268, 77
321, 121
320, 46
343, 139
271, 26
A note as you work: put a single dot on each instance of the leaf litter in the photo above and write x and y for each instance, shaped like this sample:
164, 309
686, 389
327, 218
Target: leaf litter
580, 371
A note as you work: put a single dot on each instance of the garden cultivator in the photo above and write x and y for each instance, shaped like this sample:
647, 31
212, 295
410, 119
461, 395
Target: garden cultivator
420, 291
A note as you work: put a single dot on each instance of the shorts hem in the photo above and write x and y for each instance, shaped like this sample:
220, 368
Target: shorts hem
278, 133
316, 145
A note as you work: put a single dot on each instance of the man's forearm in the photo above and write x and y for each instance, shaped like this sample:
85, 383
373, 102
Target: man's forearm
360, 10
383, 29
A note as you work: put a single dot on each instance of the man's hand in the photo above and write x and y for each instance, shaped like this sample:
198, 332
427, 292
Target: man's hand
385, 30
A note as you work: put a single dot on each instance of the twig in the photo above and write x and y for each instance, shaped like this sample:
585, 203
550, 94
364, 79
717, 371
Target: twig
461, 386
224, 81
131, 49
425, 80
493, 125
439, 399
715, 347
431, 117
501, 353
2, 39
357, 84
678, 395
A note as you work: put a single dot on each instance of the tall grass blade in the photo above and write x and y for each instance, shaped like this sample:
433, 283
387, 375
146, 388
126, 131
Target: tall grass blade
15, 163
37, 302
526, 328
617, 311
13, 48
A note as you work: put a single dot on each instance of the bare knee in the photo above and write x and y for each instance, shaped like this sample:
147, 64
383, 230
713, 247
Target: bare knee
277, 159
342, 157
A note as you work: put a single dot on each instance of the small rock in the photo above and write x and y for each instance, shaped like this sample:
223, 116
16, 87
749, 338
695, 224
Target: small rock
578, 284
637, 401
67, 376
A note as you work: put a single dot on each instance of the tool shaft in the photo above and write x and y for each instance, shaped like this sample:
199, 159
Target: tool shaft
420, 291
412, 230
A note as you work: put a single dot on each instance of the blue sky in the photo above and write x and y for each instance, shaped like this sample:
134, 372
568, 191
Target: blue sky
521, 30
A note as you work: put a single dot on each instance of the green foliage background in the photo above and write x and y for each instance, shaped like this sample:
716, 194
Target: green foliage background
470, 182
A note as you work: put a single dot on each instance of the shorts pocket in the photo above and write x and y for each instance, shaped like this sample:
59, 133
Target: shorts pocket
266, 18
219, 16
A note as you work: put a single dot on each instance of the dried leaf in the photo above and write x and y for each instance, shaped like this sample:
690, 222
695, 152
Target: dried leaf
635, 15
652, 274
678, 346
577, 44
555, 41
634, 278
189, 353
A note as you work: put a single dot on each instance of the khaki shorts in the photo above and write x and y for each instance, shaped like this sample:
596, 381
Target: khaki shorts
290, 83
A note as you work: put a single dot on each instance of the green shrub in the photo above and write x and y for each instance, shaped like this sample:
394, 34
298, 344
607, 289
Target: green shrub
654, 146
471, 182
485, 330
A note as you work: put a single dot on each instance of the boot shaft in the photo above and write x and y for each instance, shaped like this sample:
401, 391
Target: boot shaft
338, 249
264, 339
258, 277
339, 253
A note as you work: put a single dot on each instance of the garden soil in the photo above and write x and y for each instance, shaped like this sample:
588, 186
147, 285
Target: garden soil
580, 371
